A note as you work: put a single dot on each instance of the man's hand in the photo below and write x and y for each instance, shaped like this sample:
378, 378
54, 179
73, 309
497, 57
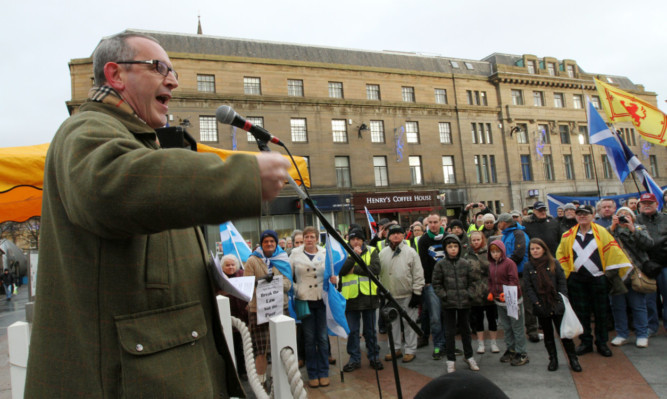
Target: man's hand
415, 301
272, 173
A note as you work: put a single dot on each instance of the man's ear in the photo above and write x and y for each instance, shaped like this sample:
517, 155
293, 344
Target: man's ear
115, 76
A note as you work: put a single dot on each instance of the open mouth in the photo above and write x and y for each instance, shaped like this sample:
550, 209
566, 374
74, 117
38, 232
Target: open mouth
163, 99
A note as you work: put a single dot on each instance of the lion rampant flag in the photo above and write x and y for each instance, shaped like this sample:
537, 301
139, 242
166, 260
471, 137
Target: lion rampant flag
621, 106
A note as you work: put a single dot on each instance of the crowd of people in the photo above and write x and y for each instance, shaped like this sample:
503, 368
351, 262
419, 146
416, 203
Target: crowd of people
452, 276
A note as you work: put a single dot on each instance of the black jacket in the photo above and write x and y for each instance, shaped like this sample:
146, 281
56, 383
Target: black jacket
430, 252
531, 283
546, 229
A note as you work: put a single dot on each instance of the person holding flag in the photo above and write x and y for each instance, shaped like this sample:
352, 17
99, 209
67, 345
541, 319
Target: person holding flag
266, 262
309, 263
586, 252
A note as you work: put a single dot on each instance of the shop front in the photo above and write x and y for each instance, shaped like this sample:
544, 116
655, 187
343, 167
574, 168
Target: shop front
402, 206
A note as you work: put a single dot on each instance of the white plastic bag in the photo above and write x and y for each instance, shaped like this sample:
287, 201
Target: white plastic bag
570, 327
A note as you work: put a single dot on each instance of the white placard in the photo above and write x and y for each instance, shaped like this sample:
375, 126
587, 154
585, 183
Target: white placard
511, 300
269, 299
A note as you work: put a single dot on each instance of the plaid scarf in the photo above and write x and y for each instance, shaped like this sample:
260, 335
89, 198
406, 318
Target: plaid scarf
107, 95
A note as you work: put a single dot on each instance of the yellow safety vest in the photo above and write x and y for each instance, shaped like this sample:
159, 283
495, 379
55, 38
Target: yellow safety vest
353, 283
473, 227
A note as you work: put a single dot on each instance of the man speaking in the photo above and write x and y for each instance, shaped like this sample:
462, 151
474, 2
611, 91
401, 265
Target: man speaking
125, 307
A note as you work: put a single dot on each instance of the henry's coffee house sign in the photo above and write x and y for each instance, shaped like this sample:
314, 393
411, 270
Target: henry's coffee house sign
400, 201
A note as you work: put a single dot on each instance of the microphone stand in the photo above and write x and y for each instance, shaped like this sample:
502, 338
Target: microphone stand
391, 310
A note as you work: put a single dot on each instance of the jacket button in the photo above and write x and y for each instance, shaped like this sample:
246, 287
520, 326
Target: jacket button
310, 286
195, 334
139, 347
315, 285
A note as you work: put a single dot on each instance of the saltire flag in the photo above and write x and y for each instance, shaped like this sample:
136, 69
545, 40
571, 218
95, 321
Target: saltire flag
601, 134
621, 106
371, 223
635, 165
334, 300
280, 261
233, 243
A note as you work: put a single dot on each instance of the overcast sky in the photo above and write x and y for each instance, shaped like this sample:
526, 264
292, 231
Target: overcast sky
39, 38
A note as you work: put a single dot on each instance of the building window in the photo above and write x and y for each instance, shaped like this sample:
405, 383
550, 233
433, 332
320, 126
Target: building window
492, 165
299, 131
559, 101
653, 162
440, 96
208, 129
335, 89
631, 131
570, 71
628, 135
522, 133
295, 87
373, 92
543, 131
588, 166
342, 171
445, 130
526, 168
252, 86
569, 167
606, 167
416, 174
517, 97
454, 64
577, 102
257, 121
412, 132
564, 134
531, 66
469, 65
583, 134
487, 133
377, 132
481, 168
481, 133
380, 167
551, 68
206, 83
548, 167
476, 97
408, 94
538, 99
339, 130
596, 102
448, 169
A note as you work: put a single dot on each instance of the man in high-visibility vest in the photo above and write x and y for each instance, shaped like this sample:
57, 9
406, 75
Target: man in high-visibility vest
362, 301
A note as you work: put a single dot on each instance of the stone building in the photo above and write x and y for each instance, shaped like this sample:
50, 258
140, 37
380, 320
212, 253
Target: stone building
400, 133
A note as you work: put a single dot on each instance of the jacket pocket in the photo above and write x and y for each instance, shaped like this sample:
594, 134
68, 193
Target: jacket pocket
160, 353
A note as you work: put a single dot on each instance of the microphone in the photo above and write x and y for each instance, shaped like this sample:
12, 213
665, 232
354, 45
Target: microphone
226, 115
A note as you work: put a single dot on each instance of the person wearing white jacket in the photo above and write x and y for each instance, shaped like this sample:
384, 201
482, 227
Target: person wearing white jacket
402, 274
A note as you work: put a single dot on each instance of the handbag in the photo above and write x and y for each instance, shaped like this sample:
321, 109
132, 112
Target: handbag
641, 283
302, 309
570, 326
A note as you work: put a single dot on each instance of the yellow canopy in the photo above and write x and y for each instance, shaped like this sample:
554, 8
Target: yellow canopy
22, 177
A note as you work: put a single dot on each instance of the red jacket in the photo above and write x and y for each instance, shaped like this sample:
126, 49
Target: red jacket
503, 272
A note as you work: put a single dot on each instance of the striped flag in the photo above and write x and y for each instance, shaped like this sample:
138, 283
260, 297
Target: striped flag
334, 300
233, 243
601, 134
371, 223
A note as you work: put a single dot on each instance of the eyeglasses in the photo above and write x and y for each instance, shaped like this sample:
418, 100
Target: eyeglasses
161, 67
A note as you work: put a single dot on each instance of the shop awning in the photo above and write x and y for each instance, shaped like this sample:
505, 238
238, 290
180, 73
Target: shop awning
395, 210
22, 177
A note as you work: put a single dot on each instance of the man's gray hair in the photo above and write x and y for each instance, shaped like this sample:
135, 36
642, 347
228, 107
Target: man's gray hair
111, 49
599, 204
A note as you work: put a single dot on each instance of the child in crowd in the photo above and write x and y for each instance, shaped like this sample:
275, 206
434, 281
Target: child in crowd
503, 271
453, 284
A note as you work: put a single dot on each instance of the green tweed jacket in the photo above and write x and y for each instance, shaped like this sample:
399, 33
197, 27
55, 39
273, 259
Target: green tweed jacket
125, 307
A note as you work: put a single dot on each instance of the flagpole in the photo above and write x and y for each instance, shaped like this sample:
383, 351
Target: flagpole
595, 169
634, 179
